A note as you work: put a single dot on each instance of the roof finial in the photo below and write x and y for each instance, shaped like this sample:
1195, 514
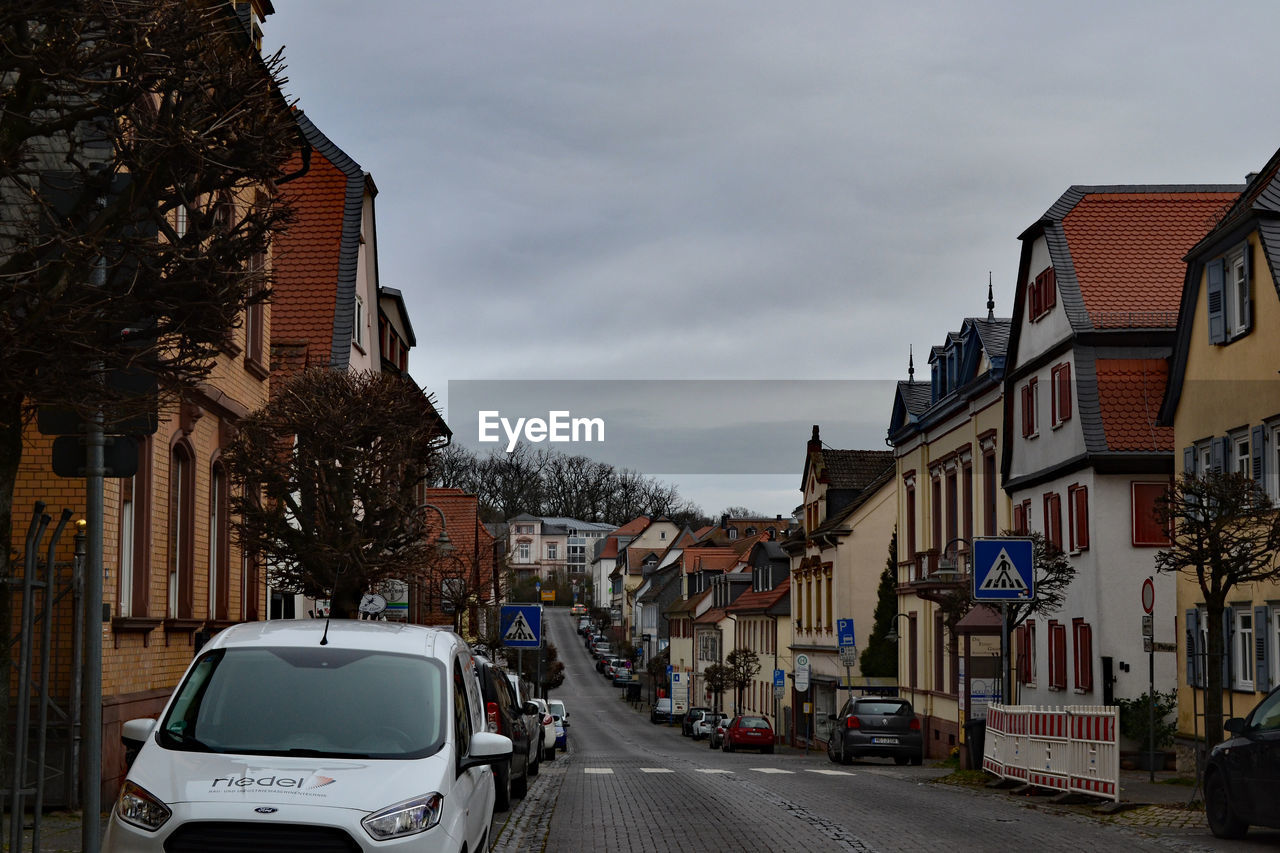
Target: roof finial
911, 364
991, 299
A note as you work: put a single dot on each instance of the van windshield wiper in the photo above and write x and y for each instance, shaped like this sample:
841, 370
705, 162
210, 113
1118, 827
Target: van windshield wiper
189, 742
319, 753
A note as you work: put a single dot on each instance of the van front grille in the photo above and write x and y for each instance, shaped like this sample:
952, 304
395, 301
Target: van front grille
253, 837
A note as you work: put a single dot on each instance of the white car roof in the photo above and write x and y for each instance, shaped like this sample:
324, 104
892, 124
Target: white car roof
341, 633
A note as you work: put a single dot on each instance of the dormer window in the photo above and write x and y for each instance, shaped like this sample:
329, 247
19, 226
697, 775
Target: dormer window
1229, 303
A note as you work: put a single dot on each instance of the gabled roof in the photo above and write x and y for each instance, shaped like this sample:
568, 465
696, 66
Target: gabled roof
854, 469
711, 617
715, 559
837, 520
1258, 205
1117, 250
315, 261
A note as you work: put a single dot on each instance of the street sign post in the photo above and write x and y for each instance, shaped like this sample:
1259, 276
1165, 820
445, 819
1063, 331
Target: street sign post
848, 648
779, 683
520, 626
1003, 571
802, 673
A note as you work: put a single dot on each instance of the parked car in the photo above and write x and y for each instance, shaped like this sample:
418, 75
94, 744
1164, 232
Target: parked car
578, 610
661, 712
548, 730
623, 676
532, 719
876, 726
716, 738
267, 710
690, 717
561, 717
615, 665
1242, 777
504, 715
702, 727
602, 649
584, 626
748, 732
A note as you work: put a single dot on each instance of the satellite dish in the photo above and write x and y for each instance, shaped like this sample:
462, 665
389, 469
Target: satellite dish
373, 604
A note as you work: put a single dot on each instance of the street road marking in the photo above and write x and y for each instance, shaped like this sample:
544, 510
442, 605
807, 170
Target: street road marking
600, 771
707, 770
771, 770
830, 772
656, 770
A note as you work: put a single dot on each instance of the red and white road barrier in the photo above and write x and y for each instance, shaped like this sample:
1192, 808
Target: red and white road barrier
1071, 749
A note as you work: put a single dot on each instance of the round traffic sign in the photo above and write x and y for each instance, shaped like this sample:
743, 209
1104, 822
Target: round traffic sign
1148, 595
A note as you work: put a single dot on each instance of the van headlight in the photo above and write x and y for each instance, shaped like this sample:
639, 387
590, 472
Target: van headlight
416, 815
139, 807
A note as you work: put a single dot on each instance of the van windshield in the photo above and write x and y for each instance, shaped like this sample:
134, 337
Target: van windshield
313, 701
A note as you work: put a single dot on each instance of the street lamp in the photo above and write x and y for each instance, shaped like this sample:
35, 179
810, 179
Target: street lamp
443, 543
892, 636
947, 569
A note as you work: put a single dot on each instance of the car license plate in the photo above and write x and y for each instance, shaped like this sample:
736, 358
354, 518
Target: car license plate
884, 740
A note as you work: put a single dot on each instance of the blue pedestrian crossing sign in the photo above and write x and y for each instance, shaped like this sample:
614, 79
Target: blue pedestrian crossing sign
521, 626
1003, 569
844, 630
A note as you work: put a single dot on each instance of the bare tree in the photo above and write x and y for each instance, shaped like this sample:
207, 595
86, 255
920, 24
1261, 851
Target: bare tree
717, 679
743, 665
1224, 533
119, 120
334, 514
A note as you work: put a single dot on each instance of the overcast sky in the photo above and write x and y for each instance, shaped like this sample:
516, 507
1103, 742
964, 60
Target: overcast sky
750, 190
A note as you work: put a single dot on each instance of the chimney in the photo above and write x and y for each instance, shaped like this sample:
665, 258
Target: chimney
815, 443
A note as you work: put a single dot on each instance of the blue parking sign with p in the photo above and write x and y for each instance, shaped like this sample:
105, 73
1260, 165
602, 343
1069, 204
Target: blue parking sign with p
844, 630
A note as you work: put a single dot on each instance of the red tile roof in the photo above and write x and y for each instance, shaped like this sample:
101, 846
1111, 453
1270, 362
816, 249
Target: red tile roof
1130, 391
1128, 248
759, 601
305, 263
709, 560
711, 617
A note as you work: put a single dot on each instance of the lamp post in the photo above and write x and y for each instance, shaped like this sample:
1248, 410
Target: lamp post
444, 546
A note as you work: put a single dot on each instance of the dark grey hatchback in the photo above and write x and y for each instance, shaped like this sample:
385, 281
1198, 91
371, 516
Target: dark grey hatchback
870, 726
1242, 779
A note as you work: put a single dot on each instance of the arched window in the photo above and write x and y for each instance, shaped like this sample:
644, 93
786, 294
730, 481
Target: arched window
135, 537
219, 544
181, 532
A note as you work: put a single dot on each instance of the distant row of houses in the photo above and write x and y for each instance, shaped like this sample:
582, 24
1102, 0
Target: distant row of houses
1142, 344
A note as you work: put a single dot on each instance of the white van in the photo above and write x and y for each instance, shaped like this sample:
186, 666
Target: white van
315, 735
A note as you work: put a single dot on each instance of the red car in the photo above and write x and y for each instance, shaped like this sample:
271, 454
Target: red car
746, 732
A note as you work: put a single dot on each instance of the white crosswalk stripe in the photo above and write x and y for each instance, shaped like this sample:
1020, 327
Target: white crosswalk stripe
771, 770
656, 770
711, 770
831, 772
598, 771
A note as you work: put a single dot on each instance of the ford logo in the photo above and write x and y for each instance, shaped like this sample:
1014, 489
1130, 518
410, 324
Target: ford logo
266, 810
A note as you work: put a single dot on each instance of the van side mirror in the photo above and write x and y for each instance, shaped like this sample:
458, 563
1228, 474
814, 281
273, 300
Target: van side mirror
1235, 725
832, 717
530, 708
134, 733
486, 748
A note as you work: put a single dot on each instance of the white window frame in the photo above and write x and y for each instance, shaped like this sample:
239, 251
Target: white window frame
1273, 622
357, 327
553, 550
1241, 460
1204, 458
1236, 287
1243, 655
522, 552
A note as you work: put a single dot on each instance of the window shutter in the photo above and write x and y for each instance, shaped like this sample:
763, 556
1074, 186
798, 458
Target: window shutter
1219, 450
1084, 657
1025, 395
1228, 623
1024, 656
1064, 393
1214, 273
1049, 298
1080, 508
1262, 675
1188, 460
1257, 446
1246, 322
1193, 640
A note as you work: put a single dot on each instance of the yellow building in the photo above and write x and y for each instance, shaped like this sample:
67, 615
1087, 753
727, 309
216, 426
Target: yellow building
1223, 402
946, 435
836, 562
